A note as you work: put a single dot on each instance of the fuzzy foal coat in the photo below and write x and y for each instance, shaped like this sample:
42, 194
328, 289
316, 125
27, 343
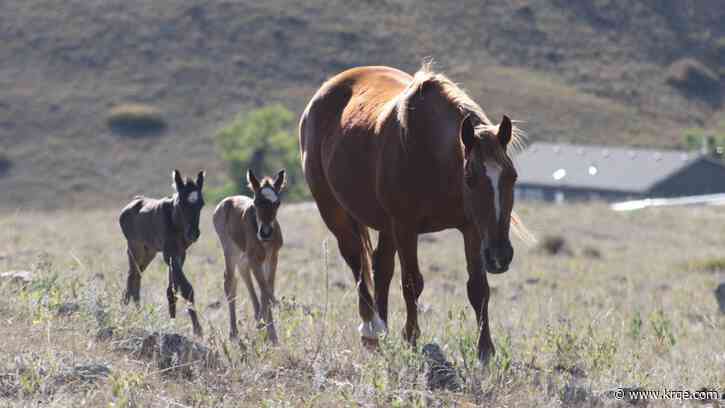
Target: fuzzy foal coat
235, 222
151, 226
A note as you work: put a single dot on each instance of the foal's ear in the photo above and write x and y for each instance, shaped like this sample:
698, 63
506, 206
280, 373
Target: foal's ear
252, 181
468, 135
504, 131
178, 182
280, 181
200, 179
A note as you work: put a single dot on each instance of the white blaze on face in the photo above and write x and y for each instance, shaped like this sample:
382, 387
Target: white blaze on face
193, 197
269, 194
493, 172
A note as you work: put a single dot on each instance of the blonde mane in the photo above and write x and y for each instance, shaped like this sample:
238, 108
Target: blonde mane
458, 98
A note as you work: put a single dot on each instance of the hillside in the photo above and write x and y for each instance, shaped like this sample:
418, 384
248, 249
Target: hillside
595, 71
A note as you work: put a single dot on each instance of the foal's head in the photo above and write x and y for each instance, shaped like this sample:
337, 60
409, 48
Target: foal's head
488, 184
266, 201
188, 203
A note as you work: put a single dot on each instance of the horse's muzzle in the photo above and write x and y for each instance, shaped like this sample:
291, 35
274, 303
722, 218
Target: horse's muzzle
265, 232
498, 257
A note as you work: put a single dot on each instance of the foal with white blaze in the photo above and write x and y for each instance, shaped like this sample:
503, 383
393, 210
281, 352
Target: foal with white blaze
251, 238
169, 225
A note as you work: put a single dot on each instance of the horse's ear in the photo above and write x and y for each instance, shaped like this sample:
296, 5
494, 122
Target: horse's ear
252, 181
200, 179
504, 131
178, 182
280, 181
468, 135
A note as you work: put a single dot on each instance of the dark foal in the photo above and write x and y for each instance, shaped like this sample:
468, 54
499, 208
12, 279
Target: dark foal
169, 225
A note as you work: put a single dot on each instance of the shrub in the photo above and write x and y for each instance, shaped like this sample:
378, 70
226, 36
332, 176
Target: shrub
554, 245
697, 138
262, 139
136, 119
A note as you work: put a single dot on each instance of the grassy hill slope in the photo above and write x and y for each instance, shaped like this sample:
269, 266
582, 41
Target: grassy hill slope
595, 71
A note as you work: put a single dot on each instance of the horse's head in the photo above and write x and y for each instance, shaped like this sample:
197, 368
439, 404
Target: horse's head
488, 184
189, 201
266, 201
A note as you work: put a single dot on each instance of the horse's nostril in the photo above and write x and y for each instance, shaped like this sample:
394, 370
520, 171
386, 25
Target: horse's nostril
265, 233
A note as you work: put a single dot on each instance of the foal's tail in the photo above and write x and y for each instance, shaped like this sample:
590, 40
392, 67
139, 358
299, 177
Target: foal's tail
366, 258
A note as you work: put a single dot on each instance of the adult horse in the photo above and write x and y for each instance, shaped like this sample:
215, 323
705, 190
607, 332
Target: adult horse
407, 155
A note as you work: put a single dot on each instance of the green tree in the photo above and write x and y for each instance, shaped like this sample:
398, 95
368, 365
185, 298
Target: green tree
261, 139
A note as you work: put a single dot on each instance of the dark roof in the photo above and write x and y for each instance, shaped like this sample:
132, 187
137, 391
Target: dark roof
599, 167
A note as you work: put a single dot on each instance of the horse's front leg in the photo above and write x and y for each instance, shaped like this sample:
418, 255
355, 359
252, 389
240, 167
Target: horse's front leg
478, 290
406, 241
187, 291
171, 289
266, 295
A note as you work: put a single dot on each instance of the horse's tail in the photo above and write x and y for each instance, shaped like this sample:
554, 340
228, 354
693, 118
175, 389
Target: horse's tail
366, 259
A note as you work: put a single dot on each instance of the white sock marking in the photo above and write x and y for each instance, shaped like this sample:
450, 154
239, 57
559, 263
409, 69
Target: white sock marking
373, 328
493, 171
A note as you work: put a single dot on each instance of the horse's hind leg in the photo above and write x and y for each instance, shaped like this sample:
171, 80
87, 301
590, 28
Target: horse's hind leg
383, 267
138, 259
231, 258
349, 234
350, 243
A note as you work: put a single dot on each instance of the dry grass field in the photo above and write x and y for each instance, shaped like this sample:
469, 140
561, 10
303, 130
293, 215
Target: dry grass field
629, 303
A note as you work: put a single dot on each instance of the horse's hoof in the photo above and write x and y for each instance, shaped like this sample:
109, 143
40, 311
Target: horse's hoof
485, 356
370, 343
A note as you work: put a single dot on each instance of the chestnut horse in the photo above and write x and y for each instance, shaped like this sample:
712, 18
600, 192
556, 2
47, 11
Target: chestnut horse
408, 155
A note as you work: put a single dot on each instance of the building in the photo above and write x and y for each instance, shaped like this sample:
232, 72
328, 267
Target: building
558, 172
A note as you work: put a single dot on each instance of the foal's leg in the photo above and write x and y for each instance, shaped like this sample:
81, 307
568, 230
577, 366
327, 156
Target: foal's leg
171, 289
478, 290
245, 272
406, 241
231, 257
266, 297
177, 280
138, 259
271, 265
384, 268
187, 292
